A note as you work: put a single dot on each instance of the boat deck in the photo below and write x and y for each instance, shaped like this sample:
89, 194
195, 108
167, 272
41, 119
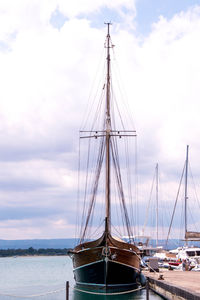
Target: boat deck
182, 284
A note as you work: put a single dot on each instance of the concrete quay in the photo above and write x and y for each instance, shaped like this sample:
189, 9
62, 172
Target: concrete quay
177, 285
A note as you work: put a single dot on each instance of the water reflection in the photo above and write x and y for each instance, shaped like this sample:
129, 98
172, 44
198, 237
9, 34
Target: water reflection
85, 296
139, 295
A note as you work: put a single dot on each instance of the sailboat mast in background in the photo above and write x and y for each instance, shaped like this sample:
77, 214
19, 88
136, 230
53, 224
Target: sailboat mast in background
157, 205
186, 187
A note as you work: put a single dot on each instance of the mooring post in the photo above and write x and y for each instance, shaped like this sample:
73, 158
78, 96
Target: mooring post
67, 290
147, 288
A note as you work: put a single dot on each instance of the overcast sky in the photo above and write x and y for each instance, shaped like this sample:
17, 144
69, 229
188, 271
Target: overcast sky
49, 54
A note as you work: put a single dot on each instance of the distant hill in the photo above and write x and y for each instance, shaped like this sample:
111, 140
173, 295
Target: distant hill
70, 243
38, 243
173, 243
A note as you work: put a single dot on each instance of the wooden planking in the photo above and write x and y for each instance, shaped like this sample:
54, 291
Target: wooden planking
95, 254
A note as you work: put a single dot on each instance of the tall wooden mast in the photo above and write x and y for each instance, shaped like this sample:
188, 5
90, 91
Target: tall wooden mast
108, 130
107, 133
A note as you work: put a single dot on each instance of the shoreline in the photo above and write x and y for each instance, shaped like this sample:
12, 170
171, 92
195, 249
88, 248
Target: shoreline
33, 252
23, 256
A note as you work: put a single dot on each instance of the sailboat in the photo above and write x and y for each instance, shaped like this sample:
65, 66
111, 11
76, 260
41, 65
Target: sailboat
144, 241
107, 262
189, 235
186, 252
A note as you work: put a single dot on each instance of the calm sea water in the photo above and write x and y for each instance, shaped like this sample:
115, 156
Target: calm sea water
44, 278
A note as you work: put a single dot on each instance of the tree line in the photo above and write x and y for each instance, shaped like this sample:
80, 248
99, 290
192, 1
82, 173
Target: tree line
32, 251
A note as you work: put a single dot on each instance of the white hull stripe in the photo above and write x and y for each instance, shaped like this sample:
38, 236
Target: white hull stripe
117, 262
113, 261
87, 249
92, 263
106, 285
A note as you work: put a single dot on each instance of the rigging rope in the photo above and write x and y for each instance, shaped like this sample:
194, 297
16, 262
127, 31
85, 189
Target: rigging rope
147, 210
120, 84
78, 195
86, 184
197, 198
87, 218
115, 158
136, 190
175, 205
95, 186
84, 122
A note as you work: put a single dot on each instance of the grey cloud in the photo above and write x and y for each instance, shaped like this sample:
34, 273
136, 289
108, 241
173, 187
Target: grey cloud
45, 147
21, 213
23, 184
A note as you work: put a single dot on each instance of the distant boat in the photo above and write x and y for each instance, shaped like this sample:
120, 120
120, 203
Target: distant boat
144, 241
189, 235
107, 262
186, 252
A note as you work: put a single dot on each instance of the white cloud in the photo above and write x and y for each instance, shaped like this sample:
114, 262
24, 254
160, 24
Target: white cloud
46, 76
35, 229
164, 80
77, 7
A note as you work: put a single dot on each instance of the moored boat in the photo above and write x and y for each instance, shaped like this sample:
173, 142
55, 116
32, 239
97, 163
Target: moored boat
107, 262
187, 253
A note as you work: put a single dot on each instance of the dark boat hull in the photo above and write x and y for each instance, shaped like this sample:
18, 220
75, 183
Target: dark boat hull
106, 275
118, 269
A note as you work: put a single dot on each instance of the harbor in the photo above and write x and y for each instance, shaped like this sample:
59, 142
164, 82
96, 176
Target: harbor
99, 150
32, 278
174, 284
118, 259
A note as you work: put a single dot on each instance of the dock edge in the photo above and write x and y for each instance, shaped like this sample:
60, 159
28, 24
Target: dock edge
171, 292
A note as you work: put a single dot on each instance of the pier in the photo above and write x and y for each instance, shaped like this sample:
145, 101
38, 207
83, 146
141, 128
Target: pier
175, 284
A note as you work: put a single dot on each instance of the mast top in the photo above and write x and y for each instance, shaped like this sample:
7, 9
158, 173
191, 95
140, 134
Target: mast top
108, 34
108, 24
